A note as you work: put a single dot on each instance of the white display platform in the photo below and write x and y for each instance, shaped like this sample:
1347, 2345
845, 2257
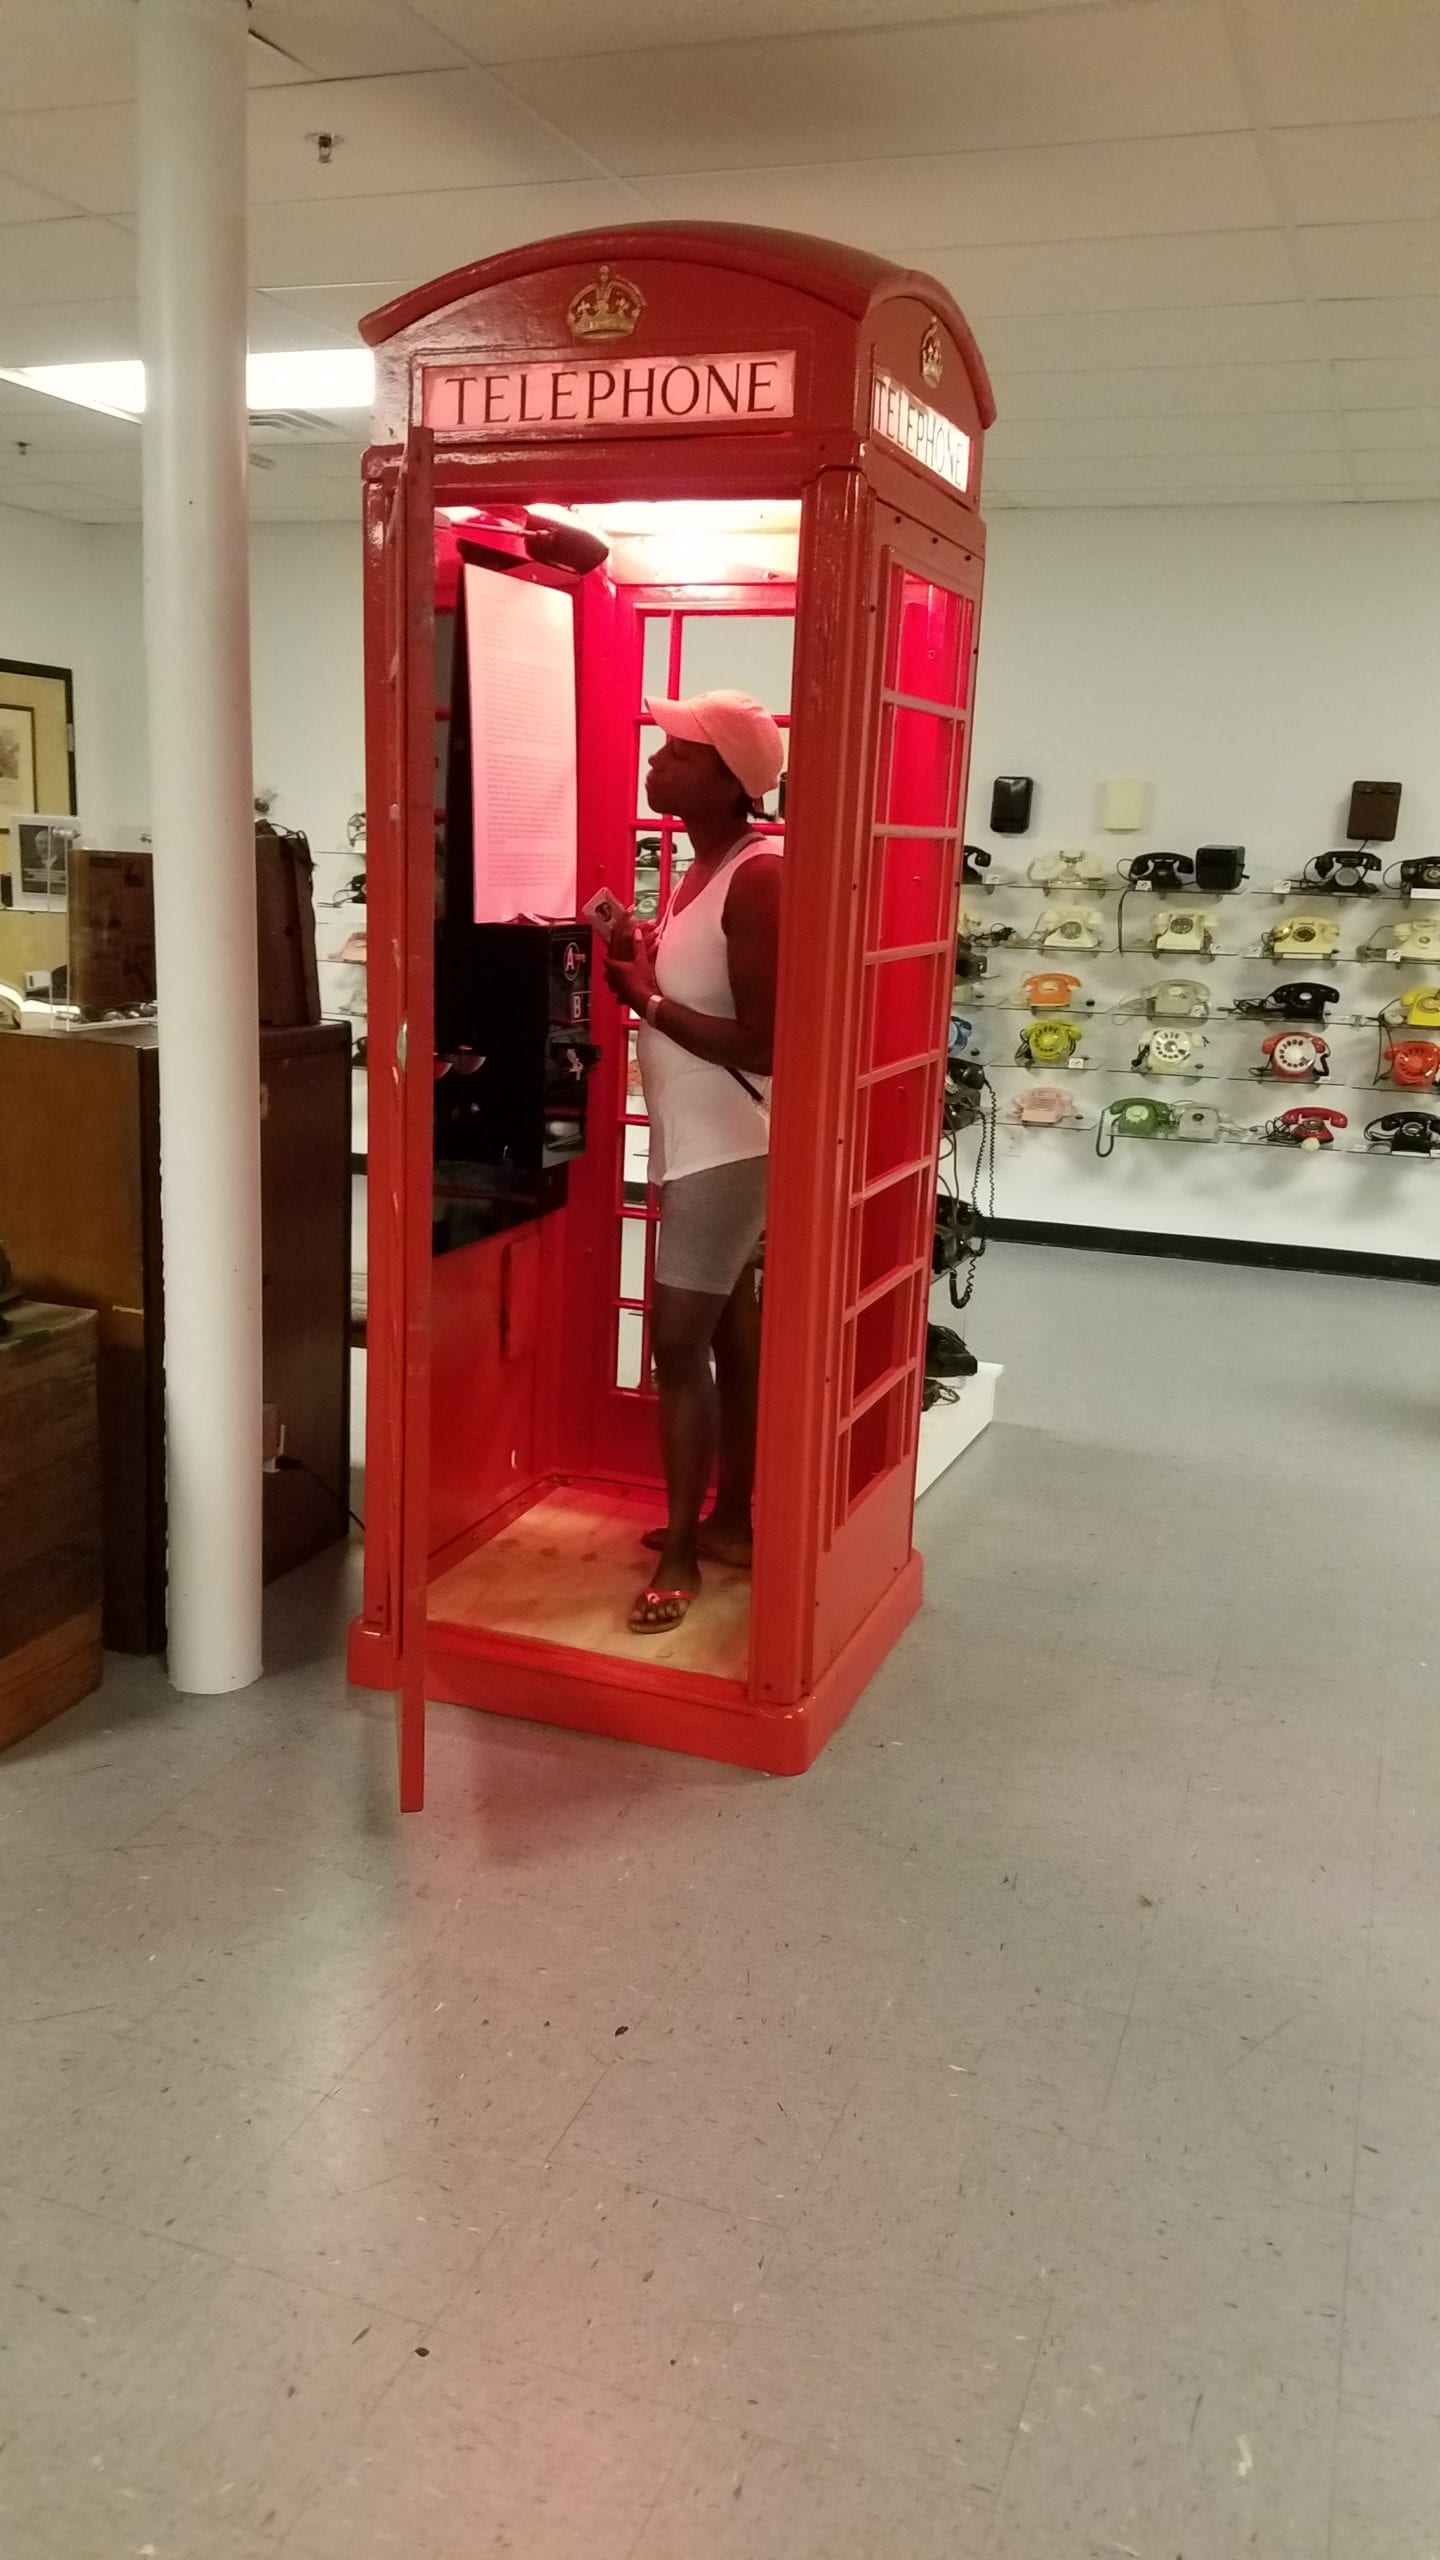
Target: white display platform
948, 1429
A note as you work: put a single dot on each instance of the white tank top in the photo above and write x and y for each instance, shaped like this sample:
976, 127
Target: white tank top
700, 1114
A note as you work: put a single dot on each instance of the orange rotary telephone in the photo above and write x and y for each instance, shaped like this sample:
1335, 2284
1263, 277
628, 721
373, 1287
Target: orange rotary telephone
1049, 988
1413, 1063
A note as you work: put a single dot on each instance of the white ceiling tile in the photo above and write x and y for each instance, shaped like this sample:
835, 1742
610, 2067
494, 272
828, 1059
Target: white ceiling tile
1333, 61
1019, 441
273, 326
32, 204
1406, 328
85, 152
47, 494
1238, 333
68, 332
1083, 191
1188, 493
1165, 391
1168, 276
1379, 259
295, 464
72, 261
352, 39
65, 52
427, 129
1361, 172
1397, 470
1389, 386
357, 238
335, 310
1395, 430
532, 30
50, 427
1084, 472
1152, 67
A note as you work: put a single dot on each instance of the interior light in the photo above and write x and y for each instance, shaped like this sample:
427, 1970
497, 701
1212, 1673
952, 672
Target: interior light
305, 378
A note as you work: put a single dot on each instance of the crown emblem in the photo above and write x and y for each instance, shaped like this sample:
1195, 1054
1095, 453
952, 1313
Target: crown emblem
607, 309
932, 355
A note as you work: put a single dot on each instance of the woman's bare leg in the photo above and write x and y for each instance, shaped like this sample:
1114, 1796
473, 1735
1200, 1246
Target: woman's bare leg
727, 1532
683, 1325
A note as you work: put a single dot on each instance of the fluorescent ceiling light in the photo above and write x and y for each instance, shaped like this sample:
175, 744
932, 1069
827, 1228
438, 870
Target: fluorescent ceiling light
310, 378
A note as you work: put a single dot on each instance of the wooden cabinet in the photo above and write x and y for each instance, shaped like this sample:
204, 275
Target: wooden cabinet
80, 1218
49, 1515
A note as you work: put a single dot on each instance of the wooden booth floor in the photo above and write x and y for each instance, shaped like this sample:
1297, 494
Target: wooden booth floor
568, 1572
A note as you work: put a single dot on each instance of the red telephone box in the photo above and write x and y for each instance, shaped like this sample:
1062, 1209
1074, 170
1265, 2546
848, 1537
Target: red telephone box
776, 437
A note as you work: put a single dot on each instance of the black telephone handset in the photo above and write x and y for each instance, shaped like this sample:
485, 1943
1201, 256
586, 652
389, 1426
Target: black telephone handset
1405, 1133
1298, 1000
1344, 874
1164, 872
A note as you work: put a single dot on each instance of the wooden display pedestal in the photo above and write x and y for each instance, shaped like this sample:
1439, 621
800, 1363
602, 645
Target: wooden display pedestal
49, 1516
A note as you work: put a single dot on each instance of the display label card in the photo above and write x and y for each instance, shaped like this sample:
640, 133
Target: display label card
521, 644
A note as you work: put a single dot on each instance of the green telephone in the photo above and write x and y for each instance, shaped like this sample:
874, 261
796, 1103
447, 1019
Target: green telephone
1136, 1116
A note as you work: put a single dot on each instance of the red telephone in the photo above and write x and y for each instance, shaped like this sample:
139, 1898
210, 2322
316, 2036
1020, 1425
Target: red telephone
1414, 1063
1306, 1126
1299, 1057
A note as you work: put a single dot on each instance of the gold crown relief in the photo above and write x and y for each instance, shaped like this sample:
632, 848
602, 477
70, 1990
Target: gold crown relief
607, 309
932, 355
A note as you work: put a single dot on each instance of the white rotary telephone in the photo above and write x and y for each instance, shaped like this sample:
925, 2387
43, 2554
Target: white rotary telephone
1069, 929
1171, 1051
1184, 929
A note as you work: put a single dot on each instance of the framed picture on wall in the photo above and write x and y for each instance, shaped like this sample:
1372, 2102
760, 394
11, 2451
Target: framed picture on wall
37, 756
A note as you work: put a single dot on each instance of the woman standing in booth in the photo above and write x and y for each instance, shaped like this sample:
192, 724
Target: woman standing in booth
703, 984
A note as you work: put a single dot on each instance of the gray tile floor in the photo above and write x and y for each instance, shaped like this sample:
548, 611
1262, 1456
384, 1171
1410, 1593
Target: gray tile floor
1020, 2140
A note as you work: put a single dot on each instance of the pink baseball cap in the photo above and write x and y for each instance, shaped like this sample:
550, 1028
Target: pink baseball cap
739, 729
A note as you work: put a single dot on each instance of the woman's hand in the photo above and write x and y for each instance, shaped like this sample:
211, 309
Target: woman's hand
632, 980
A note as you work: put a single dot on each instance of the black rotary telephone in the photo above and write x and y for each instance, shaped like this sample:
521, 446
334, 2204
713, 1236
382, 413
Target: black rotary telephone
1405, 1133
1298, 1000
959, 1238
1422, 873
1162, 872
974, 862
1344, 874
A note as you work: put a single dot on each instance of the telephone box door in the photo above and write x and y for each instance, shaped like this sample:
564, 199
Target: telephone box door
925, 598
401, 956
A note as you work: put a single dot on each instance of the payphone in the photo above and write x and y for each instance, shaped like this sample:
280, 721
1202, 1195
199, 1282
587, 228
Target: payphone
758, 457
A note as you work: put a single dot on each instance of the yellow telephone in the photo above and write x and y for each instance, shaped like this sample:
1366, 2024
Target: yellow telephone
1419, 1006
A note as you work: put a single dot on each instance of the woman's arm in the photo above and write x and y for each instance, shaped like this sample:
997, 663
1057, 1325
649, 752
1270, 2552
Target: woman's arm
752, 934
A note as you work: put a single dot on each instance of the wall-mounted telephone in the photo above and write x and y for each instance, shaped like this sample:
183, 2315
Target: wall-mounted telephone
1047, 988
1135, 1116
1298, 1000
1307, 1125
1422, 872
1171, 1051
1177, 1000
1069, 871
1069, 929
1405, 1133
1219, 867
1410, 938
1010, 798
1414, 1064
1344, 874
1047, 1107
1419, 1006
1295, 1057
1316, 937
974, 862
1048, 1043
1184, 929
1165, 872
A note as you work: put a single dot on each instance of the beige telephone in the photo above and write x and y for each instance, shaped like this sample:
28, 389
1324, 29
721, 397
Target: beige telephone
1177, 1000
1171, 1051
1304, 937
1069, 929
1068, 871
1184, 929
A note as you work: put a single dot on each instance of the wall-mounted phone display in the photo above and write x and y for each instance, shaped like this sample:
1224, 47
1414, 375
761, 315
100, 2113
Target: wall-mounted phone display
1044, 1106
1189, 929
1297, 1000
1374, 812
1171, 1050
1307, 1125
1163, 872
1177, 1000
1295, 1057
1421, 877
1069, 929
1219, 868
1407, 938
1050, 1042
1011, 795
1303, 937
1344, 874
1413, 1064
1048, 989
1070, 870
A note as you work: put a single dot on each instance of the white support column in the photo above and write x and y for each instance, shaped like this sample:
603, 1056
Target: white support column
193, 312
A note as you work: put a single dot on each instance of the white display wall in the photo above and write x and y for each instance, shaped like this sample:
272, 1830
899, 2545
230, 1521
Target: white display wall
1250, 663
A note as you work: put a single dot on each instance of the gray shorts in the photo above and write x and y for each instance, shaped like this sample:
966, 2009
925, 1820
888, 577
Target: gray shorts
710, 1225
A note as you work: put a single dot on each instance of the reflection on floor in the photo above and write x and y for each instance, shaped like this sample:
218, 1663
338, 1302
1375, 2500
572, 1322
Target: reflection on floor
569, 1571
